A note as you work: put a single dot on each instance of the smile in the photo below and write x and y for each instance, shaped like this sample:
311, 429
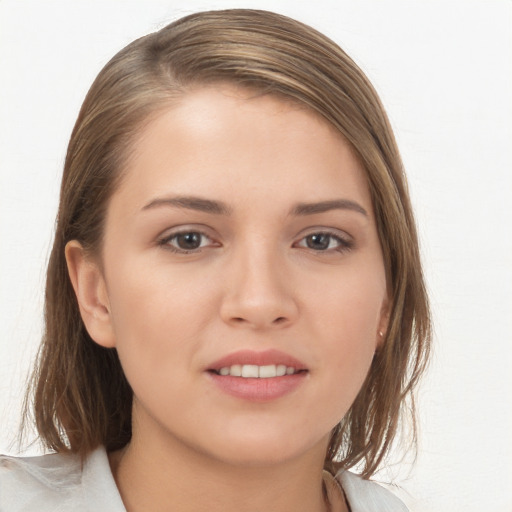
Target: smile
256, 376
257, 372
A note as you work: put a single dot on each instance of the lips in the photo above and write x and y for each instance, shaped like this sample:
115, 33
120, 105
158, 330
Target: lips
257, 376
265, 358
248, 371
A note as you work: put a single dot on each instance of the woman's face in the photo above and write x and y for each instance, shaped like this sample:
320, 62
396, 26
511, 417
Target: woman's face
242, 240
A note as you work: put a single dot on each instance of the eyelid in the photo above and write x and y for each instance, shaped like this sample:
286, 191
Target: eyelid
165, 239
336, 232
346, 241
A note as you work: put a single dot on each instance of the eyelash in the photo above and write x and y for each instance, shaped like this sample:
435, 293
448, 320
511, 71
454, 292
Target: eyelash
343, 244
167, 240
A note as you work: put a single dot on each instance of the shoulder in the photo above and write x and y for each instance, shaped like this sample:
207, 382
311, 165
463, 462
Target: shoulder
367, 496
57, 482
41, 483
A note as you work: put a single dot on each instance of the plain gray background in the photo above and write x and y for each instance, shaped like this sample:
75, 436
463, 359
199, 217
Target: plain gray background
444, 72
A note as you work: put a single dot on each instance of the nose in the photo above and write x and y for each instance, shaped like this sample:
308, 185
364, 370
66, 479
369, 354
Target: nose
258, 292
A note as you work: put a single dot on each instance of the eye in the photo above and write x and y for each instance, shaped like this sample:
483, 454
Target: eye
186, 241
325, 241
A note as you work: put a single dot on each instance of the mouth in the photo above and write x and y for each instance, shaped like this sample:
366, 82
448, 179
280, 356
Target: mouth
258, 376
252, 364
253, 371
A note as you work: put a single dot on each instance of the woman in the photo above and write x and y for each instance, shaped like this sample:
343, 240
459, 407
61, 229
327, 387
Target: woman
235, 309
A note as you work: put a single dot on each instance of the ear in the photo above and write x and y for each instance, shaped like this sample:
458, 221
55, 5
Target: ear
91, 292
383, 324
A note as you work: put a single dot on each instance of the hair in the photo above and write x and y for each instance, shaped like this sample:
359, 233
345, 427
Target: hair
81, 398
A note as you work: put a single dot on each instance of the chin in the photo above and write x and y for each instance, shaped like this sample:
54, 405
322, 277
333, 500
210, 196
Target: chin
257, 450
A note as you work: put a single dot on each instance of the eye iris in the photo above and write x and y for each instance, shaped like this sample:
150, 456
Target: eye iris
188, 240
318, 241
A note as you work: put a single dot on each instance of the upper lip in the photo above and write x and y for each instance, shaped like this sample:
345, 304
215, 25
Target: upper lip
263, 358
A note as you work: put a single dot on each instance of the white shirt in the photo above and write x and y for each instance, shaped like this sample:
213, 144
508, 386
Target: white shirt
57, 483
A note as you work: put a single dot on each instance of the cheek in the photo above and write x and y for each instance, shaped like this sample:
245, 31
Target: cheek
157, 325
348, 317
157, 316
352, 304
155, 297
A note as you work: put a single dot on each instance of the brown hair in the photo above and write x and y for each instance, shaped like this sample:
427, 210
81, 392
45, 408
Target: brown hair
81, 397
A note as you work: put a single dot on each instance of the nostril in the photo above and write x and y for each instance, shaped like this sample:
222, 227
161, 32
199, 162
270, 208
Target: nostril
240, 320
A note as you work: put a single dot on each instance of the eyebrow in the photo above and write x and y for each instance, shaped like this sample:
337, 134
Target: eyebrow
325, 206
191, 203
220, 208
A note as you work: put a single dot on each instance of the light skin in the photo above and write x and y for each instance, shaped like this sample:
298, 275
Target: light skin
243, 222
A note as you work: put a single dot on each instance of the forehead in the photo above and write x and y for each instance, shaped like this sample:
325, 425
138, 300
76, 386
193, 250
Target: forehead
239, 143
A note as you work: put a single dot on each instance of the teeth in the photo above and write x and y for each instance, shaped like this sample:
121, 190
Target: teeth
250, 370
254, 371
235, 370
266, 372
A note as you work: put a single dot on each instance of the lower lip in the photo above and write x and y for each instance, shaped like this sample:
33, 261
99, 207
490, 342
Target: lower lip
258, 390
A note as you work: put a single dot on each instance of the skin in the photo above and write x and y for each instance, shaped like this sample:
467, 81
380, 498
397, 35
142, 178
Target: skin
259, 280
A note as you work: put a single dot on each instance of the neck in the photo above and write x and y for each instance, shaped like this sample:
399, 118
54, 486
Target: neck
163, 475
